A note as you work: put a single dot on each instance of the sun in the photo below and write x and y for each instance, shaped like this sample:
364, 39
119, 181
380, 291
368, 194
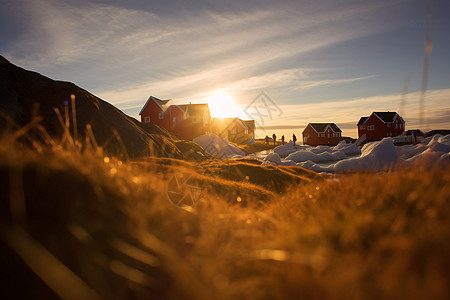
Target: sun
222, 105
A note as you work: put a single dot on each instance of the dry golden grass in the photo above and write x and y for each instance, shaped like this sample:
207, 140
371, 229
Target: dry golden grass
79, 225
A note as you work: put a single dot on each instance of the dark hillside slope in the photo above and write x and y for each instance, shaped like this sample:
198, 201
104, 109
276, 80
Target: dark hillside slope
25, 94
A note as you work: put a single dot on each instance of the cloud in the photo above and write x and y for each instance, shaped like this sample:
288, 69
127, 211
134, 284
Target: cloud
112, 49
125, 53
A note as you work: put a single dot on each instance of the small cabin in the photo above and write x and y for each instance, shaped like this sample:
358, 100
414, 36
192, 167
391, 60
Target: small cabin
322, 134
380, 125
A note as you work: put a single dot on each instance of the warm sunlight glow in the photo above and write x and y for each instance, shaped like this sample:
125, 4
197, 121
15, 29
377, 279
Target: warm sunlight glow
222, 105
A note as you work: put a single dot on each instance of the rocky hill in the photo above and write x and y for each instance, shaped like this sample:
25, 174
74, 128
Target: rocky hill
25, 94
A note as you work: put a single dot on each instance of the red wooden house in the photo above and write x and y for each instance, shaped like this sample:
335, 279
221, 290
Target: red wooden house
321, 134
187, 121
380, 125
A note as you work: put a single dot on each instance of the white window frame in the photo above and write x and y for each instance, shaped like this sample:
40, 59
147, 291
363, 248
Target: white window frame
362, 127
371, 127
147, 119
161, 115
174, 120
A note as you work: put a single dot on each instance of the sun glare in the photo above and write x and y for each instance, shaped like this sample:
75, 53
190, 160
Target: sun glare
222, 105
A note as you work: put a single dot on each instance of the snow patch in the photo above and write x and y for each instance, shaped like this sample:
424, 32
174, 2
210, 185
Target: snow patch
217, 146
275, 160
347, 148
375, 156
273, 157
313, 166
305, 155
288, 148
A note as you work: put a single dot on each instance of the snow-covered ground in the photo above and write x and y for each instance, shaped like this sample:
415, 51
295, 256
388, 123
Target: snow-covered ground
374, 156
299, 153
217, 146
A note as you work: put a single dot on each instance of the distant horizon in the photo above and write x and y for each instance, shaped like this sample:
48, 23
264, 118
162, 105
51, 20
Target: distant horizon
349, 129
435, 118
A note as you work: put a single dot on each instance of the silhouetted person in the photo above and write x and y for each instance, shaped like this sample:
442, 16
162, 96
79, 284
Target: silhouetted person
267, 139
274, 137
282, 139
294, 138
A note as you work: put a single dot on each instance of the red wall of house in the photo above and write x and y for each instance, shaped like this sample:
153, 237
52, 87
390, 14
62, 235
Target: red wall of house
151, 110
378, 133
315, 140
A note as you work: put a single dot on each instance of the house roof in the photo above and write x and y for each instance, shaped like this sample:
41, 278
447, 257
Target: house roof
194, 110
362, 120
321, 127
385, 116
163, 104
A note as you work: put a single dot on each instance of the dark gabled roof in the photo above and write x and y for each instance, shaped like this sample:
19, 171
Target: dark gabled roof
194, 110
362, 120
320, 127
387, 117
159, 102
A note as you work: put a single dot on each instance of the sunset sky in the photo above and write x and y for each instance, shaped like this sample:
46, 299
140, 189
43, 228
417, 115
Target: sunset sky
318, 61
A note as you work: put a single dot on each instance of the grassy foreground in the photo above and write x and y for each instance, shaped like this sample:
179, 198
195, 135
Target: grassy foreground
78, 225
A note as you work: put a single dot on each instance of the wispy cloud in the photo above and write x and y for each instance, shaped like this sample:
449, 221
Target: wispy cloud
125, 54
115, 50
